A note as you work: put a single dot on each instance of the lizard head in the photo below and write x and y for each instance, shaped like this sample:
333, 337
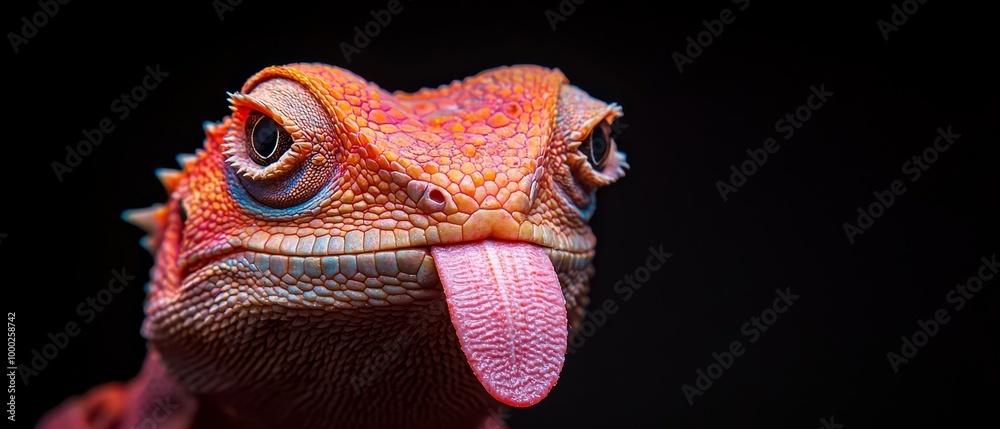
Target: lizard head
323, 199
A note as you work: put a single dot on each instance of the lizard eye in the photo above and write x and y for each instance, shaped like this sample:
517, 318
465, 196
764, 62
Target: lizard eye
596, 146
275, 149
275, 167
266, 141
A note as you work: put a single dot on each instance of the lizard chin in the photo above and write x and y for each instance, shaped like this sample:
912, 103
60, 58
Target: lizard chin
509, 312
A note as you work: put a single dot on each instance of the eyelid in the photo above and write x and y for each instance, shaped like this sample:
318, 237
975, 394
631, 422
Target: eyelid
234, 147
603, 118
242, 105
614, 163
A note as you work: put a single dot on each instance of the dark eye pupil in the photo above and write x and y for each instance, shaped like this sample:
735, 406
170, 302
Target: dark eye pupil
596, 147
266, 141
265, 137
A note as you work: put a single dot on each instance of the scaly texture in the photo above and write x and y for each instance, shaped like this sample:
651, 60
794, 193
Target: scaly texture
295, 281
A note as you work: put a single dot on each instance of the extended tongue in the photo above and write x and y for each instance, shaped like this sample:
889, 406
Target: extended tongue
510, 314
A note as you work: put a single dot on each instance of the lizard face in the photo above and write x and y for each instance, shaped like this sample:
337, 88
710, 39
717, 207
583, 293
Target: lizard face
324, 199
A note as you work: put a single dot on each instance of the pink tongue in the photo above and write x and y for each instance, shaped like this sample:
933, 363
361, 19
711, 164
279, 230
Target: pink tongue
510, 315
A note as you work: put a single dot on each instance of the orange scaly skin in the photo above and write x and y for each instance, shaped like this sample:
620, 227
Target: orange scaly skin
303, 293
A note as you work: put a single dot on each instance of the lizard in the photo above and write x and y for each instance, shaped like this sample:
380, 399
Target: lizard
338, 255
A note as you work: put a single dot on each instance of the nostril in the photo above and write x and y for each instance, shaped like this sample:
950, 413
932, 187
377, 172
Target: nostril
436, 196
428, 197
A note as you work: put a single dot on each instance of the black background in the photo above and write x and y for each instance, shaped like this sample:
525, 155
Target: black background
825, 357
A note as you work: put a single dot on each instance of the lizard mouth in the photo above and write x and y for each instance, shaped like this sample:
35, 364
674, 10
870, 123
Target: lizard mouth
504, 299
509, 312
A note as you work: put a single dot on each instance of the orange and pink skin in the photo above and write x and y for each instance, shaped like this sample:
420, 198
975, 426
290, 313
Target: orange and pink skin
258, 315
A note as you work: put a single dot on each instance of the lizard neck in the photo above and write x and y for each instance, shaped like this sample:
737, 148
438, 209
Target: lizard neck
378, 369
